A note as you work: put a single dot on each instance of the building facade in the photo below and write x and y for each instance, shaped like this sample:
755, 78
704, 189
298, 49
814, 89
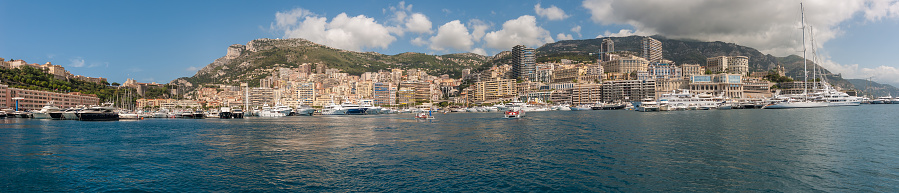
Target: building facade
37, 99
728, 64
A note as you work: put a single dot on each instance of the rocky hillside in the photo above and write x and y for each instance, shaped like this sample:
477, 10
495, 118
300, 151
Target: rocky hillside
874, 89
683, 51
251, 62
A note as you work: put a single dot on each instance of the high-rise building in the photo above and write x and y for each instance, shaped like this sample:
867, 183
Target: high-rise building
305, 92
606, 49
652, 49
383, 93
524, 63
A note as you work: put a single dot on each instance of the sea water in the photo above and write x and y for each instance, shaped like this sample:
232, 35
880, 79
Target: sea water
837, 149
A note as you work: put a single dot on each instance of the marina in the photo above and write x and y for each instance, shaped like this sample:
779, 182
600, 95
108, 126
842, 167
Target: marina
791, 150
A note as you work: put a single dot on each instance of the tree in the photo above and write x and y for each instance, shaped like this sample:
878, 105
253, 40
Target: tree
115, 84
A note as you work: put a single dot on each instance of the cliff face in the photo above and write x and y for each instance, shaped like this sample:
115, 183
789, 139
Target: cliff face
248, 63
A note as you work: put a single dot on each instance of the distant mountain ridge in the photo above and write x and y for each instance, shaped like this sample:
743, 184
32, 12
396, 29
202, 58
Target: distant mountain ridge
684, 51
255, 60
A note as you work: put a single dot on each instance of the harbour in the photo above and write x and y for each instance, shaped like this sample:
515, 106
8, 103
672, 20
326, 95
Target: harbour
790, 150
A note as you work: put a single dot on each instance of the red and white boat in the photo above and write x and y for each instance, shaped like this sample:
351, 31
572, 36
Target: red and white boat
424, 115
514, 113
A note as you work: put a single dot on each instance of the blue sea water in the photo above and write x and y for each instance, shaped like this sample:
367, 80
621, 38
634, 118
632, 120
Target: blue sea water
845, 149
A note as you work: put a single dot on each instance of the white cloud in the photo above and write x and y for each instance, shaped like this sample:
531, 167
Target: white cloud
562, 36
577, 30
624, 33
882, 74
406, 21
772, 26
479, 51
879, 9
418, 23
77, 62
551, 13
419, 41
452, 35
523, 30
478, 29
192, 69
344, 32
98, 64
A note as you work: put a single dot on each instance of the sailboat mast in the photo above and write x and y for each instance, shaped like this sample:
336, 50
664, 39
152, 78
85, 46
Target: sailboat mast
804, 61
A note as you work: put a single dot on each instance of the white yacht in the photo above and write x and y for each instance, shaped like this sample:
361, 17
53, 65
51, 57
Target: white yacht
682, 98
648, 105
882, 100
333, 109
305, 110
49, 111
271, 112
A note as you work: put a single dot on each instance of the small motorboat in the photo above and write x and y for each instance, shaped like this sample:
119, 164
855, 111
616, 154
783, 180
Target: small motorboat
514, 113
424, 115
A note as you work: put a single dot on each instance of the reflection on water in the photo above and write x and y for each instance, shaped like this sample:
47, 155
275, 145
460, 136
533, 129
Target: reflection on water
831, 149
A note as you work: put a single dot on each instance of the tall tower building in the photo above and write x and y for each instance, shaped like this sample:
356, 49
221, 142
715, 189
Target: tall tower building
524, 63
605, 50
652, 49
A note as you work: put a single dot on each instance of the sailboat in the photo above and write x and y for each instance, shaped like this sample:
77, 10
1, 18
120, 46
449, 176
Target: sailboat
802, 101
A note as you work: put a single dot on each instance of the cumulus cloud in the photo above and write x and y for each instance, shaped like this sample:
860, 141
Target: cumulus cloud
478, 29
879, 9
523, 30
407, 21
551, 13
577, 30
882, 74
479, 51
772, 26
562, 36
418, 41
344, 32
418, 23
76, 62
452, 35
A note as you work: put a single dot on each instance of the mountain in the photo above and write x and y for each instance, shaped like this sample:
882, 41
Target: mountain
251, 62
686, 51
874, 89
259, 58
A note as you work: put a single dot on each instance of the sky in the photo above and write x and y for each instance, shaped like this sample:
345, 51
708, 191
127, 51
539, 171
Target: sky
158, 41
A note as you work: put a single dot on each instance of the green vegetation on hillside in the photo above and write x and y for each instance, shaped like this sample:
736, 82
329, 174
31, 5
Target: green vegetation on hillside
268, 54
26, 77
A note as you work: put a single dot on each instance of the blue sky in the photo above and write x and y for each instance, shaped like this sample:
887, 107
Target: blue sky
158, 41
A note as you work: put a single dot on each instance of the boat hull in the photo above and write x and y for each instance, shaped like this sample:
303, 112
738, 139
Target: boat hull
98, 117
791, 105
40, 115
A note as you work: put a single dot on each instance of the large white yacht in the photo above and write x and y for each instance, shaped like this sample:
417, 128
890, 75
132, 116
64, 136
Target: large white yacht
304, 110
333, 109
684, 99
271, 112
49, 111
